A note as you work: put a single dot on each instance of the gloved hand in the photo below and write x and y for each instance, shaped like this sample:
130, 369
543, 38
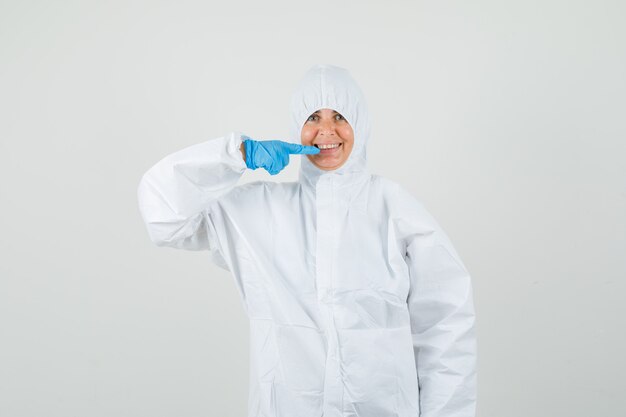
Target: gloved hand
273, 155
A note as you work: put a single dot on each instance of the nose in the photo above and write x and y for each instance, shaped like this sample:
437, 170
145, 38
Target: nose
327, 127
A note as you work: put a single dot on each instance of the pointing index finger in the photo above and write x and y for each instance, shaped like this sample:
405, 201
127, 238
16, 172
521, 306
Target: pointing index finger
294, 148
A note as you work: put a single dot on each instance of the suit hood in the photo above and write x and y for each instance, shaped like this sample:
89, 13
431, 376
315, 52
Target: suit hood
331, 87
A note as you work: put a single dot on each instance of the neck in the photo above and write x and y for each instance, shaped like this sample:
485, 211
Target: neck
349, 173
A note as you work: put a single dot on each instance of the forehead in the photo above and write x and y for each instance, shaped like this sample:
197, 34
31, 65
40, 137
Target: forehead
325, 110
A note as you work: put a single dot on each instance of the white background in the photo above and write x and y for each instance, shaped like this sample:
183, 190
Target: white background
506, 119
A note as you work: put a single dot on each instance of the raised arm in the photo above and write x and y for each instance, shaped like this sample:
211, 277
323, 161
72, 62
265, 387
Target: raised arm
175, 194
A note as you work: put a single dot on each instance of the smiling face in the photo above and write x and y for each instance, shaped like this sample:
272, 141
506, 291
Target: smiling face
329, 131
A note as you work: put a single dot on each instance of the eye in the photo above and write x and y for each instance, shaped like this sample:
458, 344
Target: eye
310, 119
340, 117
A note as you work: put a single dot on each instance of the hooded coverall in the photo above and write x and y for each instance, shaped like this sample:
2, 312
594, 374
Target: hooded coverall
359, 305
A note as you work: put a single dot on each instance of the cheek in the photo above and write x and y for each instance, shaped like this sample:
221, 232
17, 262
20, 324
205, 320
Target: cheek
348, 135
307, 135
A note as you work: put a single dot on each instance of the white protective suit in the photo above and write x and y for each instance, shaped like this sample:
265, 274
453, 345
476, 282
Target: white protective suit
359, 305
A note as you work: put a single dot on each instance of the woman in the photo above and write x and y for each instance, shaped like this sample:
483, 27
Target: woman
358, 303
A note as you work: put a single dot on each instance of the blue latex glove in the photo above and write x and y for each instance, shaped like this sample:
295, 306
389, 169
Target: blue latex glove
273, 155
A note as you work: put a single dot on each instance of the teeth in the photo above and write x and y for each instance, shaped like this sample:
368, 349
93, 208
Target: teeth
336, 145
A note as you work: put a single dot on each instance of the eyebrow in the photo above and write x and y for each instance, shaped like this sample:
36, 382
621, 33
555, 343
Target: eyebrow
317, 111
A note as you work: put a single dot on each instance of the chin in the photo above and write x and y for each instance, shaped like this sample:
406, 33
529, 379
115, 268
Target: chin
326, 165
329, 167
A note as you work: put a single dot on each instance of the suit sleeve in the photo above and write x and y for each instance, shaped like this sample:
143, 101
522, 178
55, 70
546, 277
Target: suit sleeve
176, 194
442, 316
